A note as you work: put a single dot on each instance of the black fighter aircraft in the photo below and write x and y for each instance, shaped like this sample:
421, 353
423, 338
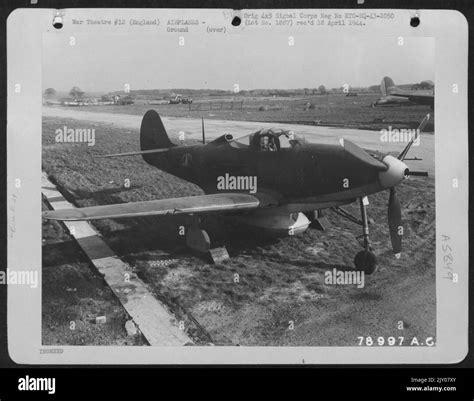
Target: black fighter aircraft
275, 181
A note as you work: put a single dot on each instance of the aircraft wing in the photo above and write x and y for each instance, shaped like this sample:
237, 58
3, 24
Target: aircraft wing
416, 97
221, 202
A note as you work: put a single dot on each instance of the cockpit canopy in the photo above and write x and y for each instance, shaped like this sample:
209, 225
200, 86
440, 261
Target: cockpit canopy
269, 140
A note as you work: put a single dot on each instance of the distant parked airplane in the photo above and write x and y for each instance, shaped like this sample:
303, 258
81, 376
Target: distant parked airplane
391, 94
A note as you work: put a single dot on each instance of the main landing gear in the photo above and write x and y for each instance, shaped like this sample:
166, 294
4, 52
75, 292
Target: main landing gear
365, 260
198, 240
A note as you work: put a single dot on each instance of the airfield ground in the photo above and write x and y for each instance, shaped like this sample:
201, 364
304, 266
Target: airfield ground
353, 112
280, 280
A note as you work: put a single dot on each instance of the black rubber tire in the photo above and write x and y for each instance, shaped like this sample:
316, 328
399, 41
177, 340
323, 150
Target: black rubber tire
366, 261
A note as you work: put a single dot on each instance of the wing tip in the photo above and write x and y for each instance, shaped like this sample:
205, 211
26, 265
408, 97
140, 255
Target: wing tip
61, 215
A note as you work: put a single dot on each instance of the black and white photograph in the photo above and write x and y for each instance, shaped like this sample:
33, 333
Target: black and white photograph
264, 192
250, 186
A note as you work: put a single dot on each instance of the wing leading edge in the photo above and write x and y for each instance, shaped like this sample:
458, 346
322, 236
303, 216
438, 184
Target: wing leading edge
221, 202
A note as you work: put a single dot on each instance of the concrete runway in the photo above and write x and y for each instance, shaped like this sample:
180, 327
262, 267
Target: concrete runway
214, 128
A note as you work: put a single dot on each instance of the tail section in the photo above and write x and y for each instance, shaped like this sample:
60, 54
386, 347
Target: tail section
387, 86
153, 140
153, 133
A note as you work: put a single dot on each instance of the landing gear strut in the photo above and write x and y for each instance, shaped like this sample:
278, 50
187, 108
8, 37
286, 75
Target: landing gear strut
196, 238
365, 260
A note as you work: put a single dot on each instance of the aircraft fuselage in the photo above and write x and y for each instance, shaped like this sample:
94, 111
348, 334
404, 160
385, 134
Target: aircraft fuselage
311, 173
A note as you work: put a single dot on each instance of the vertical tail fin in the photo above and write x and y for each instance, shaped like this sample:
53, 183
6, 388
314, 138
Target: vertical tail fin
153, 133
387, 86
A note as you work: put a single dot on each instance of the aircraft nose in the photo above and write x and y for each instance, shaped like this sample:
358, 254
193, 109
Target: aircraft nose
396, 172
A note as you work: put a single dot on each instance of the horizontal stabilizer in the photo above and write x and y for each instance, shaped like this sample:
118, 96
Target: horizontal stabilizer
221, 202
134, 153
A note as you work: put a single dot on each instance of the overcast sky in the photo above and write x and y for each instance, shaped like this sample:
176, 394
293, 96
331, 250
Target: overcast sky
102, 63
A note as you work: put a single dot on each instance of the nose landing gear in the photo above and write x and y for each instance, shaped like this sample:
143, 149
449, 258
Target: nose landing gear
365, 260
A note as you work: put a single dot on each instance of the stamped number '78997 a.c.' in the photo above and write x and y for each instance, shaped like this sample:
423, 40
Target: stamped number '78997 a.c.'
395, 341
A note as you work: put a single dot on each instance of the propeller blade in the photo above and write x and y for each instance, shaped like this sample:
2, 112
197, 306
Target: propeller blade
423, 123
395, 222
418, 173
420, 128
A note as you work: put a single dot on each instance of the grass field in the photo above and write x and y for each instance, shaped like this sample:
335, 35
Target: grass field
279, 280
324, 109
